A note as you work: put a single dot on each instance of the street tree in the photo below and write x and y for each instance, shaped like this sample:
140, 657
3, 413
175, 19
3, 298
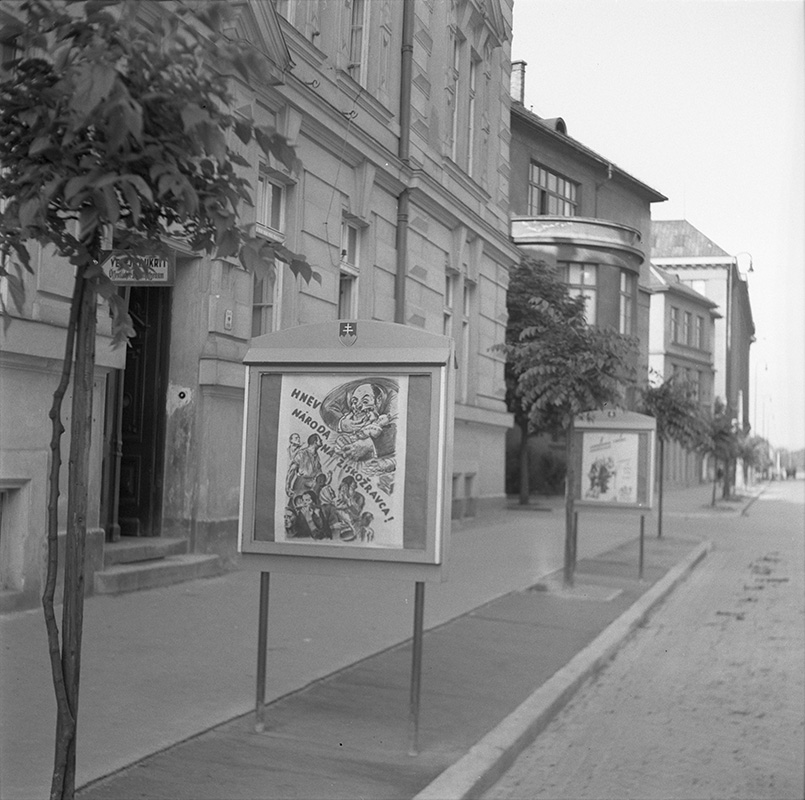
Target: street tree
673, 405
559, 367
109, 125
723, 445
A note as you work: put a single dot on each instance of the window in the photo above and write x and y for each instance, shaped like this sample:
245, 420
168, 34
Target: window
464, 345
687, 331
265, 302
450, 282
267, 289
582, 281
675, 325
349, 271
473, 78
270, 208
550, 193
699, 333
358, 41
627, 300
454, 127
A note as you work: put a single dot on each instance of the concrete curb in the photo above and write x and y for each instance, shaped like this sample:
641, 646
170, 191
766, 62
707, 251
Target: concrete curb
487, 760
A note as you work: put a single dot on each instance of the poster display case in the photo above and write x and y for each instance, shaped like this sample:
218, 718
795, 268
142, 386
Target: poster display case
613, 455
347, 450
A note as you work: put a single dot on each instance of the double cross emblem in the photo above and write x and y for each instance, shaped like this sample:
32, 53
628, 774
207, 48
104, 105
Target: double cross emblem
347, 333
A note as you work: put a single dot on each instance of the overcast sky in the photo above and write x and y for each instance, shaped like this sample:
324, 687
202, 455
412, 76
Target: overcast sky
703, 100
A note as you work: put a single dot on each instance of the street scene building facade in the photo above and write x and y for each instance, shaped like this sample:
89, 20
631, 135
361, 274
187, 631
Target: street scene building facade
680, 347
401, 206
682, 250
584, 216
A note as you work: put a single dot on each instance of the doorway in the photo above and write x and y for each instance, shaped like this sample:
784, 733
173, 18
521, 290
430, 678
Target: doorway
142, 395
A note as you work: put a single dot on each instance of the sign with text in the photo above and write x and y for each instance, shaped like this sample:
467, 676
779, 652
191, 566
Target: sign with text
128, 269
347, 449
613, 455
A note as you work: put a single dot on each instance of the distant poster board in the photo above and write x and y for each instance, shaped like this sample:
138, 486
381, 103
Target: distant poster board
609, 466
614, 458
347, 449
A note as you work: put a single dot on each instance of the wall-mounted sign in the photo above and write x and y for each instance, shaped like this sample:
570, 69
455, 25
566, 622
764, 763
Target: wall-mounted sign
614, 460
347, 449
128, 269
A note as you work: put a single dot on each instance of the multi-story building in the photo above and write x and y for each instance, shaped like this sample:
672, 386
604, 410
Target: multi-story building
580, 213
680, 346
399, 113
577, 211
682, 250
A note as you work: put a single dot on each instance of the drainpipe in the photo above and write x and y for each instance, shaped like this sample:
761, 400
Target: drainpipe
404, 152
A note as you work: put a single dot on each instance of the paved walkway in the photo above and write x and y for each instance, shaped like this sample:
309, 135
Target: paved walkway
709, 699
162, 666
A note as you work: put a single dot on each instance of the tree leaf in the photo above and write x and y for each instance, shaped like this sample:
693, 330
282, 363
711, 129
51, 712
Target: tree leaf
93, 83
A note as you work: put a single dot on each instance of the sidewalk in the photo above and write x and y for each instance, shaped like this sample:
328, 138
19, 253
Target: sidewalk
339, 665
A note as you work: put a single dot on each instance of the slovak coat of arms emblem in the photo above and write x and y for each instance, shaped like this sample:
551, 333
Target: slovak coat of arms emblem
348, 333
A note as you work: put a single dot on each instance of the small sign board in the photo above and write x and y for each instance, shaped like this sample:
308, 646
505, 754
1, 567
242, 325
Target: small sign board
613, 454
128, 269
347, 450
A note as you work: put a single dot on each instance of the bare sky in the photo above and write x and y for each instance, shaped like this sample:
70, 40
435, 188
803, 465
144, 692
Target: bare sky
703, 100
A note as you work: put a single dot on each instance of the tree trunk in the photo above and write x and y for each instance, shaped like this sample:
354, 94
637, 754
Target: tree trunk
570, 516
65, 723
524, 470
660, 481
715, 481
63, 784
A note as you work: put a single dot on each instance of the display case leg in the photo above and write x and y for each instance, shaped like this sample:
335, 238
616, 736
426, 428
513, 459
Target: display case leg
642, 538
416, 669
262, 647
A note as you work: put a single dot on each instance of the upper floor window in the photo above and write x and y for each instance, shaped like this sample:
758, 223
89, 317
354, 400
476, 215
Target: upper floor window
687, 328
456, 74
627, 302
699, 338
349, 271
266, 294
582, 281
472, 90
358, 41
464, 343
270, 208
550, 193
676, 325
450, 284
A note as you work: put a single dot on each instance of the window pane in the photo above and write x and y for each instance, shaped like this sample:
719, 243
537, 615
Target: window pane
276, 207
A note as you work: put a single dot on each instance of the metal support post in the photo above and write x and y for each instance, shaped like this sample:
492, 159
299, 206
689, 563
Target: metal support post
262, 647
642, 536
416, 669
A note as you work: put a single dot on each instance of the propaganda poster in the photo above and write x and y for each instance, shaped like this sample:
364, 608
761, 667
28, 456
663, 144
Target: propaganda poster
341, 460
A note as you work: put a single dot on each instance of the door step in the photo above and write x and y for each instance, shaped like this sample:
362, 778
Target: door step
131, 577
143, 548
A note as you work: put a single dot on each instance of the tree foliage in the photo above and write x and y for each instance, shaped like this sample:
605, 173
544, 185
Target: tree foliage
678, 414
558, 366
108, 124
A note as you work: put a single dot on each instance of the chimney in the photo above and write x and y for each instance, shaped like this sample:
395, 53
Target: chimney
517, 90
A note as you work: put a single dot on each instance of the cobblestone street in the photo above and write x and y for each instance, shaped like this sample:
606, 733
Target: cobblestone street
706, 701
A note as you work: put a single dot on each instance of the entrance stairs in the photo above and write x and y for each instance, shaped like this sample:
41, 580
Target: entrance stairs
147, 562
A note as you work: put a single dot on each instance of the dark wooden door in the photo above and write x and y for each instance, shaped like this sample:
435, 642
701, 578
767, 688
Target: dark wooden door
143, 413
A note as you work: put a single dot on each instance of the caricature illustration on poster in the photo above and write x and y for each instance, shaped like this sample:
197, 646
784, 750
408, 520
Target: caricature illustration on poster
341, 460
609, 467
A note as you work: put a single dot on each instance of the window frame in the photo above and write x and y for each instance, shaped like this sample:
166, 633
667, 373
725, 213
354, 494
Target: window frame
589, 291
349, 270
544, 186
627, 293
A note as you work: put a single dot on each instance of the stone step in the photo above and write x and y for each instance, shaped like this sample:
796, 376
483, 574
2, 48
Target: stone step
151, 574
141, 548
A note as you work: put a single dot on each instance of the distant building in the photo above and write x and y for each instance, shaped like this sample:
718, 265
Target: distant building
680, 346
682, 250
